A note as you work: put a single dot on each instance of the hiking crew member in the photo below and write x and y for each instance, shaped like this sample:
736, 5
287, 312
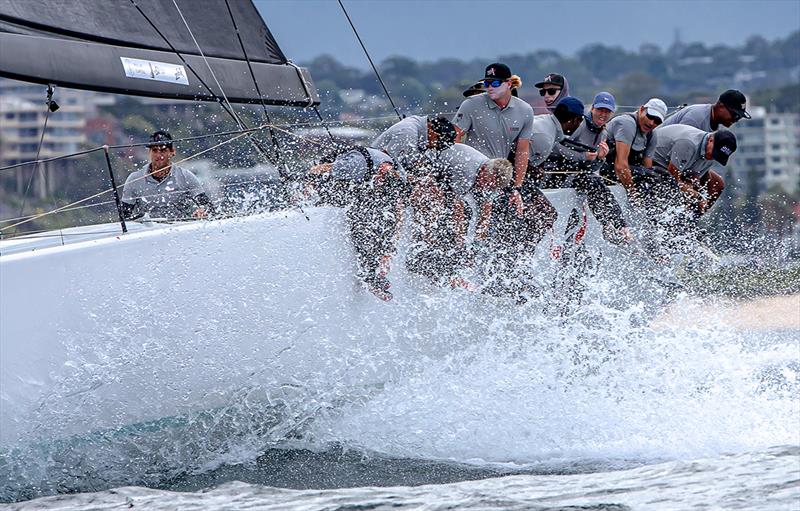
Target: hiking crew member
441, 224
161, 189
583, 167
371, 188
551, 89
688, 154
497, 123
409, 140
632, 143
727, 111
548, 130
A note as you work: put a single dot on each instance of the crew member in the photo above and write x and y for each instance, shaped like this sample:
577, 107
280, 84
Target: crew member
409, 140
471, 182
372, 189
688, 153
582, 166
163, 190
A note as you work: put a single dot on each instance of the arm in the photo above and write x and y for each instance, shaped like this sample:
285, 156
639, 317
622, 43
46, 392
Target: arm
688, 187
129, 200
520, 168
458, 221
571, 154
127, 210
621, 167
204, 205
459, 134
482, 227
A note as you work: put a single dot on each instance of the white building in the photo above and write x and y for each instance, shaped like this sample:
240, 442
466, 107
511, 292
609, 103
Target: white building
769, 147
22, 119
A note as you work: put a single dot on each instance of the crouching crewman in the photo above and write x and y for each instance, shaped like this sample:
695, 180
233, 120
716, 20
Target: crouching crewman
467, 180
368, 184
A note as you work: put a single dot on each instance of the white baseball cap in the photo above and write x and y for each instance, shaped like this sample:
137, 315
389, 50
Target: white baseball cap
656, 108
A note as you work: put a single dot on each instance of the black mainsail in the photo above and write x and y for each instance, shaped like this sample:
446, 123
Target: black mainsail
155, 48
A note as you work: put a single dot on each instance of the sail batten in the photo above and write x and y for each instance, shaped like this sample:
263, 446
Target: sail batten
106, 46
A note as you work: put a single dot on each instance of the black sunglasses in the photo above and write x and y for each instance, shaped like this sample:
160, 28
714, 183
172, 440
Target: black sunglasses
551, 92
735, 116
492, 83
656, 120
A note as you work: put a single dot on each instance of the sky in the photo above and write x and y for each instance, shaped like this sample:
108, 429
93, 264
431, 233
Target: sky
432, 29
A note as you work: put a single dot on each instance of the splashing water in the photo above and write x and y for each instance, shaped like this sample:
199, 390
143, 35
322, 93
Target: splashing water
440, 375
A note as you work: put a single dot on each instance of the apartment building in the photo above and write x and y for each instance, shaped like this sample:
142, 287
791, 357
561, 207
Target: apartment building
769, 149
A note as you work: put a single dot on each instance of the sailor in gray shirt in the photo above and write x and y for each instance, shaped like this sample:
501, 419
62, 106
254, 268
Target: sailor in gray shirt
547, 133
161, 189
409, 141
440, 223
632, 142
496, 123
580, 171
688, 154
372, 190
592, 132
728, 110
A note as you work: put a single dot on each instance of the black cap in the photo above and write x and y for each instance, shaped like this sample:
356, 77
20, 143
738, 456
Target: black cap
475, 88
551, 79
734, 101
160, 138
497, 71
724, 146
445, 131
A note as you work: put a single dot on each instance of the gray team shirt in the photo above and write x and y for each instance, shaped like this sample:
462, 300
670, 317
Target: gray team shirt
684, 147
463, 163
547, 133
584, 136
698, 116
625, 129
351, 166
172, 197
492, 131
406, 141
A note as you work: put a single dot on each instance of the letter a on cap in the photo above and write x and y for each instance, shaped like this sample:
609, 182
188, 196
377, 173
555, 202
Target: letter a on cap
490, 71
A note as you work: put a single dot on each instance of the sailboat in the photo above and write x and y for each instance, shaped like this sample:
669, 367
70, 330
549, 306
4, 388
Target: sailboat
110, 326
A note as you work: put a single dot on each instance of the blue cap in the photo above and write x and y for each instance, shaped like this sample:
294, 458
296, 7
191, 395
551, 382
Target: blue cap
605, 100
573, 105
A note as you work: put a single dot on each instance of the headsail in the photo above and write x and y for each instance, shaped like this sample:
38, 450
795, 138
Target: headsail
135, 47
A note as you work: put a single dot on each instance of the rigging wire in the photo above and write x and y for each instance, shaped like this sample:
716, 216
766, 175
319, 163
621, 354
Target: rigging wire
205, 60
278, 154
222, 103
374, 68
47, 111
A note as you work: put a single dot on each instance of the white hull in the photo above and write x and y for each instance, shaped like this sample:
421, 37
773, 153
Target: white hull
169, 320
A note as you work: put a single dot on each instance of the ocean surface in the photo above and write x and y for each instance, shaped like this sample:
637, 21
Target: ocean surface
494, 405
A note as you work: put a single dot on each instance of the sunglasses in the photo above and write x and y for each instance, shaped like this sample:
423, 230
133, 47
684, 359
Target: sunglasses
735, 116
656, 120
550, 92
493, 83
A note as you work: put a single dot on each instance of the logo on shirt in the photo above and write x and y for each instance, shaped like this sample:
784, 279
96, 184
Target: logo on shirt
459, 116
